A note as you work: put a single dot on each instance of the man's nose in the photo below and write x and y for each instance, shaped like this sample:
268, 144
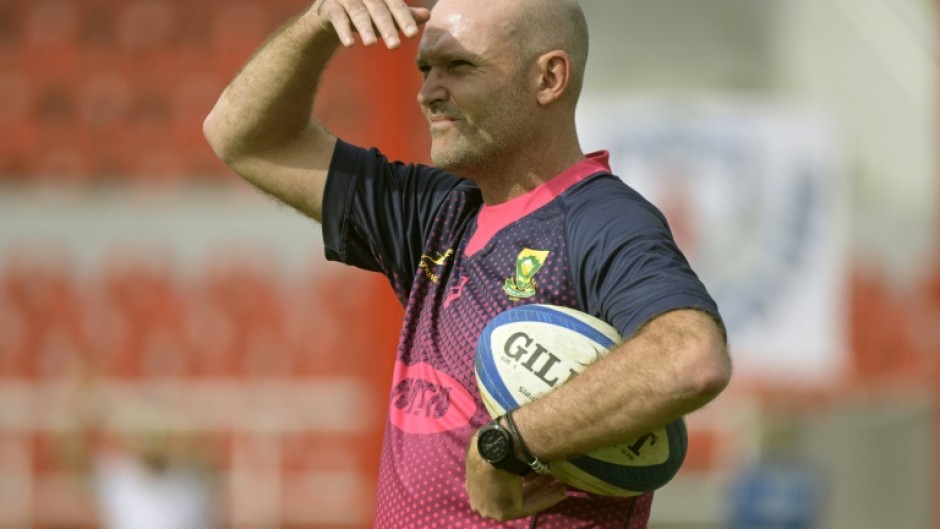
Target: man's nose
432, 91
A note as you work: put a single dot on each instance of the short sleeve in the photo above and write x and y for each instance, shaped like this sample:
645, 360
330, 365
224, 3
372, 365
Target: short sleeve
626, 265
376, 213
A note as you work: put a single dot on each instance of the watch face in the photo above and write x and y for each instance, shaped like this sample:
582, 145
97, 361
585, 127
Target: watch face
493, 445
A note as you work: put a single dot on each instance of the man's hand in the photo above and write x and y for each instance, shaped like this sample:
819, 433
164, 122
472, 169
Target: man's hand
368, 17
503, 496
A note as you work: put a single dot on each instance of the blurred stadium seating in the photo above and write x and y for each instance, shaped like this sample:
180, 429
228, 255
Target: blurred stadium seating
105, 89
209, 339
106, 94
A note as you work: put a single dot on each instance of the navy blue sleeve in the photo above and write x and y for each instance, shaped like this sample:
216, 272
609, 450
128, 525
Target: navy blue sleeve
377, 214
624, 260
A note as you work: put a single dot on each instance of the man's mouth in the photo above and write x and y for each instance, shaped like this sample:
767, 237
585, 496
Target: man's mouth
440, 121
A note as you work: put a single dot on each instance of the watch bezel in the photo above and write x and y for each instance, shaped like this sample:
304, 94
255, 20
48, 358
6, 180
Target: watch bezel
506, 459
485, 447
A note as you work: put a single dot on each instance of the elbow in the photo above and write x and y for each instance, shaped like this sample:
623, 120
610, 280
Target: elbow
225, 136
712, 380
213, 131
707, 373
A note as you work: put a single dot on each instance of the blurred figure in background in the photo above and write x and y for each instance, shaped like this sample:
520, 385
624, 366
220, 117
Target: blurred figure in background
144, 470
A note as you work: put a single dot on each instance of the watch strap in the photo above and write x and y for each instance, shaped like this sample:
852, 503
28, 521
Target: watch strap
534, 463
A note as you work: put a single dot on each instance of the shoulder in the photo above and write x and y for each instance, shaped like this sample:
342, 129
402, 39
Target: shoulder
352, 159
604, 203
626, 264
368, 170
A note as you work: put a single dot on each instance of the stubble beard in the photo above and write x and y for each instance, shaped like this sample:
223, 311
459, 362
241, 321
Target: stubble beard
457, 155
476, 154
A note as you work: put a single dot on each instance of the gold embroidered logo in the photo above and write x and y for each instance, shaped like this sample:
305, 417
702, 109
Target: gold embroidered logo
522, 285
427, 262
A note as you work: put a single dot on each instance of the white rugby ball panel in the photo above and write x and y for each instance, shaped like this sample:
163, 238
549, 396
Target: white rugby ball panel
517, 368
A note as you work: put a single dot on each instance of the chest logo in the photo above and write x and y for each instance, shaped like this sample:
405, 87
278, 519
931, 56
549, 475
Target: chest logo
522, 284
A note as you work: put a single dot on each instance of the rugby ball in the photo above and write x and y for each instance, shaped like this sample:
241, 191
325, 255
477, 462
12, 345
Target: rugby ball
529, 351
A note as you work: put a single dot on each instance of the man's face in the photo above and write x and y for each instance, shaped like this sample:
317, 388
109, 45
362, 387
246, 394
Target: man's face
474, 94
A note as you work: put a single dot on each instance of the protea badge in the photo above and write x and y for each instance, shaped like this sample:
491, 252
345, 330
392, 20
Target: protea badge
528, 264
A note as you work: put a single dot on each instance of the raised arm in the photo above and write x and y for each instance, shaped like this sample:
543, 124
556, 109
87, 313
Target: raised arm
261, 125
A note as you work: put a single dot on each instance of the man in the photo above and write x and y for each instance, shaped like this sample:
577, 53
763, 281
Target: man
501, 82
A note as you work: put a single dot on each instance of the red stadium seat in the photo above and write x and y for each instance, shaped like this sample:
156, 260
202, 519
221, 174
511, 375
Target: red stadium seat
138, 316
99, 24
16, 98
161, 165
195, 94
316, 341
19, 152
146, 25
109, 339
193, 29
12, 15
215, 342
62, 164
239, 306
266, 354
55, 103
42, 315
14, 356
62, 146
141, 283
52, 24
164, 353
245, 288
37, 282
59, 354
239, 27
104, 98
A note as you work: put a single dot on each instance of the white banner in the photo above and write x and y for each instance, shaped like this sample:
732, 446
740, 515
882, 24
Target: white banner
758, 203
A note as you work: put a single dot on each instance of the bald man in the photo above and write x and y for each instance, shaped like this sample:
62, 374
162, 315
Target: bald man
510, 184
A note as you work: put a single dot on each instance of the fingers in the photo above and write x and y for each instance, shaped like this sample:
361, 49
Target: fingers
333, 14
372, 19
364, 15
408, 18
540, 494
502, 500
420, 15
536, 481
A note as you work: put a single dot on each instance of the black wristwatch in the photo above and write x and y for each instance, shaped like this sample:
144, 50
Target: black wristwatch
496, 447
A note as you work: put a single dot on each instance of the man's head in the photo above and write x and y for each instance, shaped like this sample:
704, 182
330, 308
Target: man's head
544, 26
501, 76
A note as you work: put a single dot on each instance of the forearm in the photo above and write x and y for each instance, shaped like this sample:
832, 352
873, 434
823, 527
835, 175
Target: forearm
675, 366
268, 104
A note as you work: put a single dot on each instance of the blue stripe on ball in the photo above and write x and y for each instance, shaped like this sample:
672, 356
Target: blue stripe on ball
544, 314
488, 373
642, 479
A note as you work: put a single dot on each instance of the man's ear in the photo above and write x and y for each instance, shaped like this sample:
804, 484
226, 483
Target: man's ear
554, 70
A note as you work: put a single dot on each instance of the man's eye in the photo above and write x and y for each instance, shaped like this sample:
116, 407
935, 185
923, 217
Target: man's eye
454, 65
